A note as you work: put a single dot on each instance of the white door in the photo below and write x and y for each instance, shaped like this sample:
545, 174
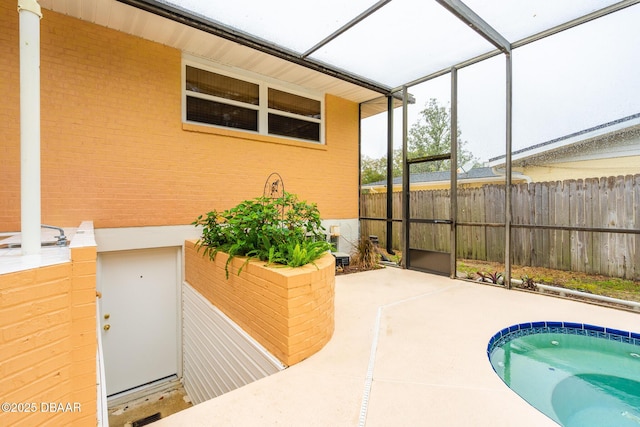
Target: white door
138, 309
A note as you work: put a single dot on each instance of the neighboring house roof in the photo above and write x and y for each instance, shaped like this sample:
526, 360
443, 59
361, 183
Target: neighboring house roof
483, 174
609, 140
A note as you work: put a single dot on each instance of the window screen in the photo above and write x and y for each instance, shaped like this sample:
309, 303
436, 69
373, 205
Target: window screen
294, 128
217, 113
213, 84
283, 101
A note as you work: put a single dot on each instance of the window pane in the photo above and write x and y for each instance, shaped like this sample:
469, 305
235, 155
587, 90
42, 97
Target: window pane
290, 103
216, 113
222, 86
295, 128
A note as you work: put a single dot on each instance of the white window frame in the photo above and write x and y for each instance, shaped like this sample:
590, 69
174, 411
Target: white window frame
262, 108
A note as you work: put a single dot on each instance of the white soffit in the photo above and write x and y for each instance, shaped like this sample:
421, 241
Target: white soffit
130, 20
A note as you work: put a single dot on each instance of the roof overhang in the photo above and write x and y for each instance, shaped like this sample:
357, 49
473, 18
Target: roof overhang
607, 132
195, 36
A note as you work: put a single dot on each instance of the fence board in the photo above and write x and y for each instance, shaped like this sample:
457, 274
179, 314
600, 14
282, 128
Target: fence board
579, 258
554, 235
629, 266
564, 215
610, 202
636, 224
593, 220
495, 213
543, 247
612, 221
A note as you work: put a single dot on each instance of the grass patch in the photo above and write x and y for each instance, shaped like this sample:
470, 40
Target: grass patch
594, 284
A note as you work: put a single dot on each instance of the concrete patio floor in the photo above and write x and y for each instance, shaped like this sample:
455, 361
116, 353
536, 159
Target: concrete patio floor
409, 349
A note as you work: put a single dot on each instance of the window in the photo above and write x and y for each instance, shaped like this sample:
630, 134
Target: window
219, 99
289, 115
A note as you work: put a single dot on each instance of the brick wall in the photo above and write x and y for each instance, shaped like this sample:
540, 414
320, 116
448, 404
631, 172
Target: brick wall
290, 311
114, 149
48, 342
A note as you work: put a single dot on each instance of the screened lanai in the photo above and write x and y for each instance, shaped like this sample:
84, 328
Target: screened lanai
510, 76
489, 64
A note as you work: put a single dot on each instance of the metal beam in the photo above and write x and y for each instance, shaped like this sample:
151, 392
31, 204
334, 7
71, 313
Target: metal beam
525, 41
431, 158
347, 26
575, 22
479, 25
508, 149
389, 237
453, 200
405, 178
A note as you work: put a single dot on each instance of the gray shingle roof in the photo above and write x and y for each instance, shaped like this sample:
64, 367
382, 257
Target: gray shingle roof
416, 178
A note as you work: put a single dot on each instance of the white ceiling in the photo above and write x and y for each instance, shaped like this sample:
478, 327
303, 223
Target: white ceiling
401, 41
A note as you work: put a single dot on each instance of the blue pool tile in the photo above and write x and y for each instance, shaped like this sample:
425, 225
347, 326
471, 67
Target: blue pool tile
594, 328
617, 332
570, 328
573, 325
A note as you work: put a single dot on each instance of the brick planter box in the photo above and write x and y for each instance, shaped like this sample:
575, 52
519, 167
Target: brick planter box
289, 311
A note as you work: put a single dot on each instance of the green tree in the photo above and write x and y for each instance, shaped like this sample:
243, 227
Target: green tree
373, 170
430, 135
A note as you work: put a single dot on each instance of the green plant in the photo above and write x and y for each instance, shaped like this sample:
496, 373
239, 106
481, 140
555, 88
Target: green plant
280, 230
528, 283
466, 271
494, 277
365, 255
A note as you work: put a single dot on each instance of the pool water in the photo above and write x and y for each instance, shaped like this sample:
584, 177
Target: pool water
577, 376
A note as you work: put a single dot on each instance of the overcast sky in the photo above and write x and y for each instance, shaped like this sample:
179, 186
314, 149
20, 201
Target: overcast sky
571, 81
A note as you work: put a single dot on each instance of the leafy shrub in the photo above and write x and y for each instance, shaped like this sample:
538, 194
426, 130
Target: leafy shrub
528, 283
283, 230
495, 277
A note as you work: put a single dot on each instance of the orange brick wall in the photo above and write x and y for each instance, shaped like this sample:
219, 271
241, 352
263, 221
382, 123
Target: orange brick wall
48, 341
113, 145
289, 311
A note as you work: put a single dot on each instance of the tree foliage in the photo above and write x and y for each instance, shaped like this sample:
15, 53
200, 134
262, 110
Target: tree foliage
373, 169
430, 135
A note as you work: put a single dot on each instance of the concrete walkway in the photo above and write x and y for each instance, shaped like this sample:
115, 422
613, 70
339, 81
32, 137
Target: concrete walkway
409, 350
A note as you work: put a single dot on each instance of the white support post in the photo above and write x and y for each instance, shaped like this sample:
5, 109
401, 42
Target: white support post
30, 14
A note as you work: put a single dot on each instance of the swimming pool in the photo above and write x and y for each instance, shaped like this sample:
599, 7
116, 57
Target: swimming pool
576, 374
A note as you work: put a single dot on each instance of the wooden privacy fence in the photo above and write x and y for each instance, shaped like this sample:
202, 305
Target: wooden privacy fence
590, 225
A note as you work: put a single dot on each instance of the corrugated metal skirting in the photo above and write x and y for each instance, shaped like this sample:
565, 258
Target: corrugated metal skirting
218, 355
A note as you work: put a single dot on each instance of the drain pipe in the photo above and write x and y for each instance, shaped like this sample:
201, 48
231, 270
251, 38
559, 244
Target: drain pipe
30, 14
563, 292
